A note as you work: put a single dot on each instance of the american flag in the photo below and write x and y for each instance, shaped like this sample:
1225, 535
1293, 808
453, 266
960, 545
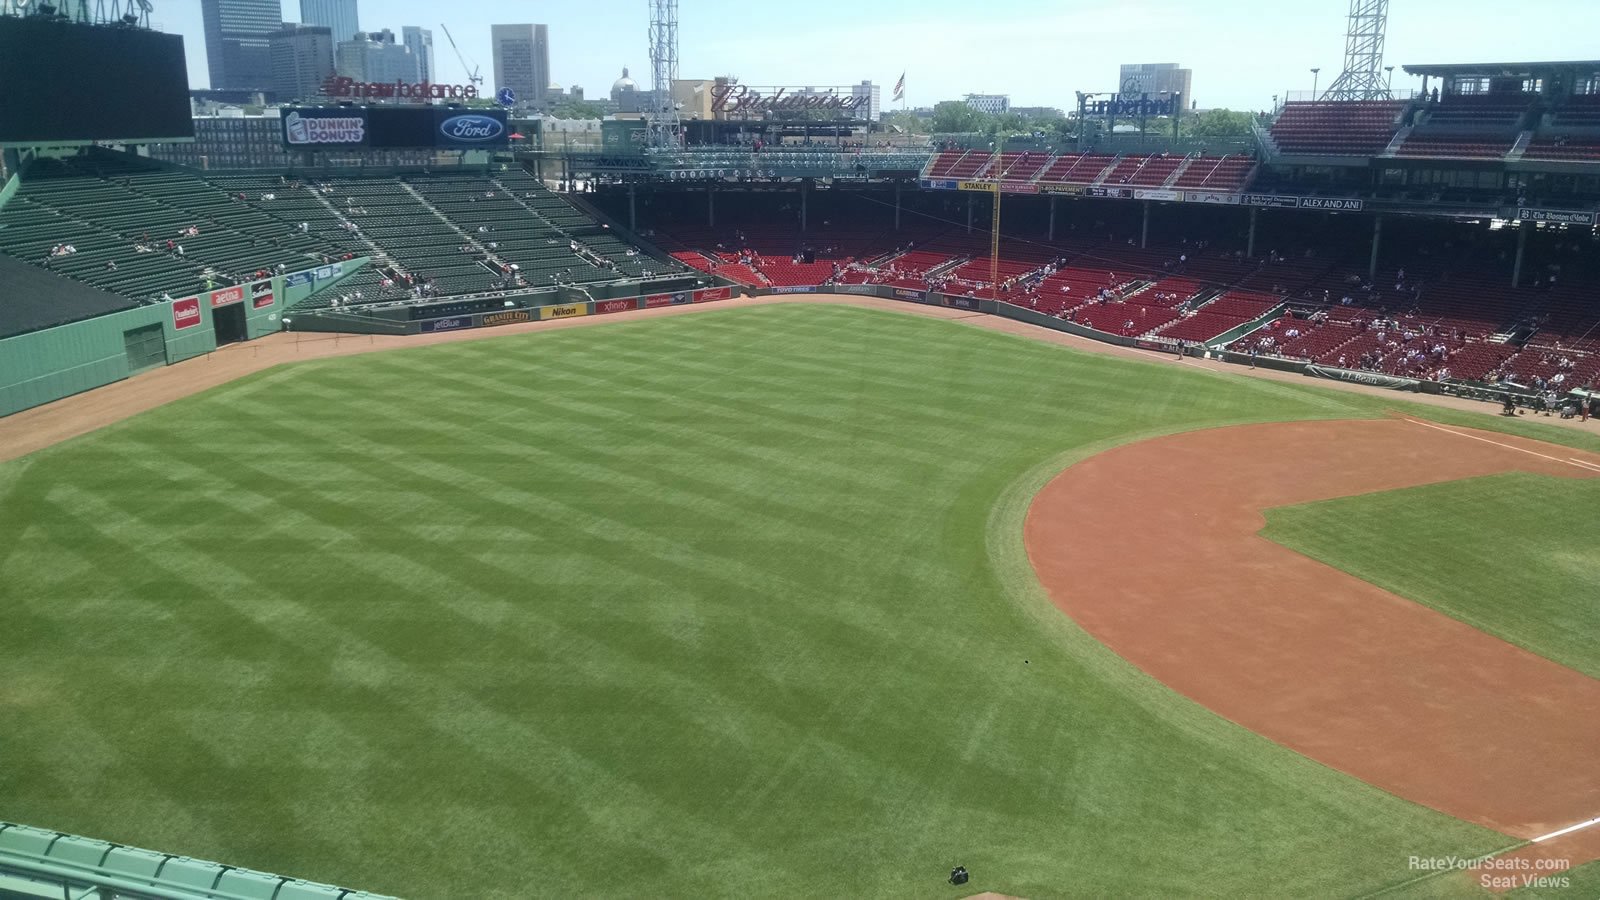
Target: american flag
900, 87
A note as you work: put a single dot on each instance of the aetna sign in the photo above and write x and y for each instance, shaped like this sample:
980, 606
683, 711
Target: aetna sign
339, 86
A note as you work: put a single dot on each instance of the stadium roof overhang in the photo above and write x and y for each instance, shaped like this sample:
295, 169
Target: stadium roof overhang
1503, 70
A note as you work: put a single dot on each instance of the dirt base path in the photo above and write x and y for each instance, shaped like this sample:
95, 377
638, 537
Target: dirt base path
44, 426
1153, 549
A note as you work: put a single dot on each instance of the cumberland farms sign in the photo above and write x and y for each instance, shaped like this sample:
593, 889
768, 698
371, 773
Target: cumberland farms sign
738, 100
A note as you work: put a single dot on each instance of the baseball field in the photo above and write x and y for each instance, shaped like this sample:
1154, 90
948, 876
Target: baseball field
737, 603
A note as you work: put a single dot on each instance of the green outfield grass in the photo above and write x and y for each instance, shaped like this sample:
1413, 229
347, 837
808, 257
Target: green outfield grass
1513, 555
724, 604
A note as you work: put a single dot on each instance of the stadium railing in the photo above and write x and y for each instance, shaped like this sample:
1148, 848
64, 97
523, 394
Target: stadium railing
39, 863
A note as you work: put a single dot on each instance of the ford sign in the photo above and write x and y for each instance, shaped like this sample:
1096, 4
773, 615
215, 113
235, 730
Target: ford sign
471, 129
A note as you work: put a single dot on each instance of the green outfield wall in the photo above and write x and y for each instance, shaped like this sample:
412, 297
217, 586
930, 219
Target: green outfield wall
43, 366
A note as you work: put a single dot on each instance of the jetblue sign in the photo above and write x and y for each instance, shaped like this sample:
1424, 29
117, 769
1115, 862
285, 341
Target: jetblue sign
473, 129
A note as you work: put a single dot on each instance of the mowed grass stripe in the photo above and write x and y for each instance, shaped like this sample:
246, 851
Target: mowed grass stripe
365, 665
687, 606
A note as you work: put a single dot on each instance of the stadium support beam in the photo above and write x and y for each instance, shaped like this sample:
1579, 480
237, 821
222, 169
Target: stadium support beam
1052, 233
805, 193
1250, 244
1144, 232
971, 201
1377, 241
897, 206
633, 213
1522, 244
711, 207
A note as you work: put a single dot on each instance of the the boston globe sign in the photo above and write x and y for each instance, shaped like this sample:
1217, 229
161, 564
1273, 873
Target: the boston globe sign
394, 128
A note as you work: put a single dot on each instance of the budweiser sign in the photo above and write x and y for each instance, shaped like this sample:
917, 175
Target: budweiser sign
339, 86
737, 99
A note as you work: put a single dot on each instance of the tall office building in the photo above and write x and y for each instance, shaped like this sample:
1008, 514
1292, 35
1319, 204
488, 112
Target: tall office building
375, 57
522, 61
339, 16
871, 109
420, 42
236, 42
1156, 78
302, 58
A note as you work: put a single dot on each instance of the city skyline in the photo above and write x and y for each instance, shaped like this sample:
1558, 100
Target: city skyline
1033, 50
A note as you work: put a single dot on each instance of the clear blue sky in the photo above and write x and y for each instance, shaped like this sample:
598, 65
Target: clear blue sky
1038, 51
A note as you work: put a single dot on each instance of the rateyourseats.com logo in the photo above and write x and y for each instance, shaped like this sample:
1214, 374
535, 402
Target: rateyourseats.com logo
1500, 873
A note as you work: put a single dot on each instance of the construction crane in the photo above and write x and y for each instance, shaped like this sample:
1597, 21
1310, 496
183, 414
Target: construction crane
472, 70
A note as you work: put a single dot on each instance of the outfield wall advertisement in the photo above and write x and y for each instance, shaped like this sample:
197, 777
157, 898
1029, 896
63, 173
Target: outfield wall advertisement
509, 317
185, 313
615, 306
227, 296
451, 323
567, 311
571, 310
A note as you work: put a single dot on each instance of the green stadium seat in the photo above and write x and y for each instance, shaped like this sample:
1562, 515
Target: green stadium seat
25, 841
79, 851
307, 890
249, 885
131, 862
194, 873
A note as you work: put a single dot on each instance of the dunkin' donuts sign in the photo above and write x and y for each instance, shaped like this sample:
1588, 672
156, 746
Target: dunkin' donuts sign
303, 130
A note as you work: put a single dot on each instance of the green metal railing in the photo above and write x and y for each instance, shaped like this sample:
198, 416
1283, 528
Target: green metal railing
50, 864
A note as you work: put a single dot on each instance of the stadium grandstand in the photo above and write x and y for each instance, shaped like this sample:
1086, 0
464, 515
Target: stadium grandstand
1160, 244
1443, 240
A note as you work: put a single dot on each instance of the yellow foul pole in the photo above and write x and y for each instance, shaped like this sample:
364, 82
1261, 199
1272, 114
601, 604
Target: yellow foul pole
994, 230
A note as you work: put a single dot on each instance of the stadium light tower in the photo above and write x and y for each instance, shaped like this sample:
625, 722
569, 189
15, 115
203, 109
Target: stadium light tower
664, 70
1362, 78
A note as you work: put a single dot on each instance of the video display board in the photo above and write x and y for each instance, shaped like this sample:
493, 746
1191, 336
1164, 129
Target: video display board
394, 128
61, 81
